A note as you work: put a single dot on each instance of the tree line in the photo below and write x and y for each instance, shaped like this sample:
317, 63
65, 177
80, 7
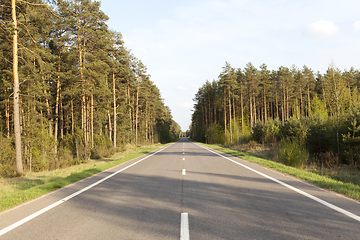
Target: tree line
70, 89
320, 111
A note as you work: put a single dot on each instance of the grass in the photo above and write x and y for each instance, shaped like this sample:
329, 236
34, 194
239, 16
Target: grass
344, 181
14, 191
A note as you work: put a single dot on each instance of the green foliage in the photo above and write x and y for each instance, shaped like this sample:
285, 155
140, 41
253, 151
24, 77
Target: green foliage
259, 131
292, 153
7, 153
351, 136
78, 81
214, 134
295, 129
269, 132
102, 147
321, 136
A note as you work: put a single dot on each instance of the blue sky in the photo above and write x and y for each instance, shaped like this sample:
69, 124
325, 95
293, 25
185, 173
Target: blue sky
184, 43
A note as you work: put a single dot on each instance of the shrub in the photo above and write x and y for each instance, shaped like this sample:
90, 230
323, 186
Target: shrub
259, 132
272, 132
292, 153
215, 134
295, 129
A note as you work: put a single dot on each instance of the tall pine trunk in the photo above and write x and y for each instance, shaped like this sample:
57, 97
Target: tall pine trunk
224, 116
233, 103
242, 113
251, 114
265, 106
57, 103
114, 106
308, 95
110, 127
92, 121
230, 118
17, 129
7, 113
137, 111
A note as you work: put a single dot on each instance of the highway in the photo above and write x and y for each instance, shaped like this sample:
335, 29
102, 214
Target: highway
185, 191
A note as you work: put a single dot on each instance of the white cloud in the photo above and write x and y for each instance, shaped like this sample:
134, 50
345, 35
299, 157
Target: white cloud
322, 29
356, 26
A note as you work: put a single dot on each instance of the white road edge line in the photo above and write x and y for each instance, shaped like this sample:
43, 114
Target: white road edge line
183, 172
34, 215
184, 227
338, 209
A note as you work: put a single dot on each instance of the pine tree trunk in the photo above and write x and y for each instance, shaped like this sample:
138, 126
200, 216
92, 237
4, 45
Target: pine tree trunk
309, 103
57, 104
233, 103
251, 114
301, 103
146, 122
137, 111
92, 121
215, 120
242, 113
287, 103
114, 106
277, 105
210, 112
72, 117
17, 128
130, 115
265, 107
61, 118
87, 127
254, 107
7, 113
110, 128
205, 114
283, 105
224, 116
48, 111
230, 118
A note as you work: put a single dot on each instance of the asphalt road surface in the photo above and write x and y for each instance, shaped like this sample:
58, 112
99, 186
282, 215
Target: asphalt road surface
185, 191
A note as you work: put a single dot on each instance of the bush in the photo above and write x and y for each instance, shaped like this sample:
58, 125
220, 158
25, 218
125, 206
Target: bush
103, 147
295, 129
258, 133
267, 133
215, 134
292, 153
272, 133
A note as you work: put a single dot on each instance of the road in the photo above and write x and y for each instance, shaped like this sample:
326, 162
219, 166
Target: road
185, 191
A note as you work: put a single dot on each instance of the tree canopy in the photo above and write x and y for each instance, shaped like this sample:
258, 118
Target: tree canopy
322, 110
82, 92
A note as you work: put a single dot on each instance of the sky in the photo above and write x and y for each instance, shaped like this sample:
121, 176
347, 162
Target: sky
184, 43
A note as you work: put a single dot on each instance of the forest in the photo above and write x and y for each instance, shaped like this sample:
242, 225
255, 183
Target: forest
306, 115
70, 89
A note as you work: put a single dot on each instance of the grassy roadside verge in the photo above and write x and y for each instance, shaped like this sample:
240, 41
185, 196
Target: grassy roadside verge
14, 191
348, 189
